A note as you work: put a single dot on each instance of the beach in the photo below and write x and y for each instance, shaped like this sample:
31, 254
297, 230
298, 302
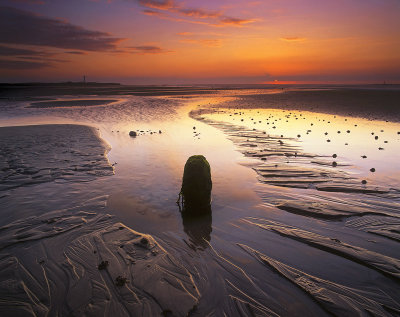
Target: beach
305, 201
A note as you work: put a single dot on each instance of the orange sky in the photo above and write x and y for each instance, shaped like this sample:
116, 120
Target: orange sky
170, 42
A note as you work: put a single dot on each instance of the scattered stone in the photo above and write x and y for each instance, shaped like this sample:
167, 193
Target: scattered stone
120, 281
363, 182
103, 265
372, 170
167, 313
132, 133
334, 164
334, 156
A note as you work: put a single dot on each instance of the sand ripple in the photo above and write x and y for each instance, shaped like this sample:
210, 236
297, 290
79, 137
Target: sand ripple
382, 263
336, 299
55, 269
44, 153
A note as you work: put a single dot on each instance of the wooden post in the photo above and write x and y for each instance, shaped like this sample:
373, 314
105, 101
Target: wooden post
196, 186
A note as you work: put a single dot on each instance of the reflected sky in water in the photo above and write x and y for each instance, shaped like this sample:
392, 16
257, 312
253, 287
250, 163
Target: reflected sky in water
360, 144
148, 173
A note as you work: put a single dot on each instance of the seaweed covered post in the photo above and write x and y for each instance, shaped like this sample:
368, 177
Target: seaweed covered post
196, 186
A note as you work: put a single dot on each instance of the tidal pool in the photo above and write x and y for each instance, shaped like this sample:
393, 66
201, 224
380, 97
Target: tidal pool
290, 234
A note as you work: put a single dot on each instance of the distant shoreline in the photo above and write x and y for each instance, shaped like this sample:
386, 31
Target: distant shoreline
374, 102
67, 83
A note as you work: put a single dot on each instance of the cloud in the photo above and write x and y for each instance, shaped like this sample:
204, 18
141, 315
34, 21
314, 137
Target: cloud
293, 39
197, 13
204, 42
170, 6
184, 33
44, 58
147, 49
30, 1
76, 52
28, 54
153, 13
163, 15
16, 51
235, 21
157, 4
22, 65
26, 28
195, 38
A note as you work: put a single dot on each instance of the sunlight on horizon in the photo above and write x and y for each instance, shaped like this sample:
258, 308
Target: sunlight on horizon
176, 42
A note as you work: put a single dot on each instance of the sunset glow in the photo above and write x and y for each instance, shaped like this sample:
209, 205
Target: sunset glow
183, 42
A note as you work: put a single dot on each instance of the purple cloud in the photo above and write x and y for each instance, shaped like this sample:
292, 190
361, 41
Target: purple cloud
26, 28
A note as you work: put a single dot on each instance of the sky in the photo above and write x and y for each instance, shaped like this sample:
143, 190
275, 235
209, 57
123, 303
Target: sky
200, 42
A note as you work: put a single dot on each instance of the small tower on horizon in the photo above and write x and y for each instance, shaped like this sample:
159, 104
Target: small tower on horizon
84, 79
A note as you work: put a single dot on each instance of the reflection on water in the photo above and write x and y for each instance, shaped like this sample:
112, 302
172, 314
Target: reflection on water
295, 226
368, 149
198, 228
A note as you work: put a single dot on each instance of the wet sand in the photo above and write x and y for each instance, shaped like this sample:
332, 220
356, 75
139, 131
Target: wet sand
373, 104
291, 233
43, 153
51, 262
70, 103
